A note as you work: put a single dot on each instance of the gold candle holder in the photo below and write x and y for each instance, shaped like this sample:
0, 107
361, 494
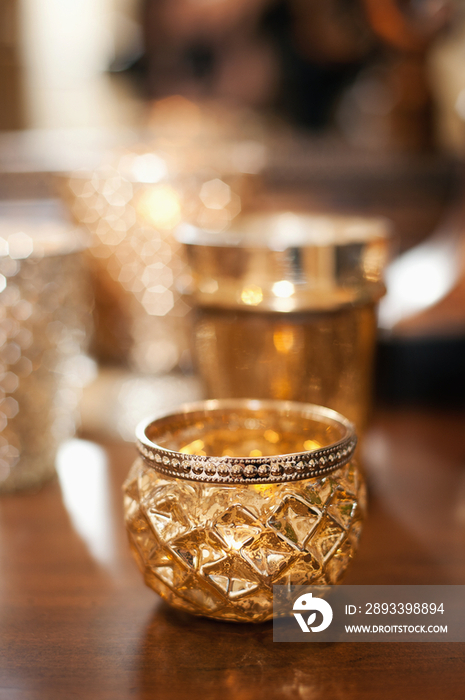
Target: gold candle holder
229, 498
286, 308
193, 164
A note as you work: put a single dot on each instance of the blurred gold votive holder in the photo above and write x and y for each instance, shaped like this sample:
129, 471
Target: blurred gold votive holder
285, 308
231, 497
44, 311
193, 163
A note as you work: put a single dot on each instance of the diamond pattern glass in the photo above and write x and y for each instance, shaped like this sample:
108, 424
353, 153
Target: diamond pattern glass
217, 550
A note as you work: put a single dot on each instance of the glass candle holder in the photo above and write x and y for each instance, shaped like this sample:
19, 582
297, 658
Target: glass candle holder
45, 307
193, 164
229, 498
285, 308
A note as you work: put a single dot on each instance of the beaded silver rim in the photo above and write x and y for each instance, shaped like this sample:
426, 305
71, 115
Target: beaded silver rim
233, 470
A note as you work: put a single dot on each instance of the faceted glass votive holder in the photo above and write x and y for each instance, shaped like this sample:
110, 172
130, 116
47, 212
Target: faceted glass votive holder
231, 497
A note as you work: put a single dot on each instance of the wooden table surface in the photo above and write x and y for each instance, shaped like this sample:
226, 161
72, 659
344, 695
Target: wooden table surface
76, 620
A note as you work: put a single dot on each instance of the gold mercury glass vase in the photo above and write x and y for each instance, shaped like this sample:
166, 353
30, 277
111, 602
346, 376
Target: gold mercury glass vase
285, 308
231, 497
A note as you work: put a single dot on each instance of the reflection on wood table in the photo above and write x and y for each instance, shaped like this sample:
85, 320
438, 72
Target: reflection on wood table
77, 622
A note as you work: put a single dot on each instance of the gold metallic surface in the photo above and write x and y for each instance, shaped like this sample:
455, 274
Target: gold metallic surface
243, 441
217, 549
287, 262
323, 357
286, 308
